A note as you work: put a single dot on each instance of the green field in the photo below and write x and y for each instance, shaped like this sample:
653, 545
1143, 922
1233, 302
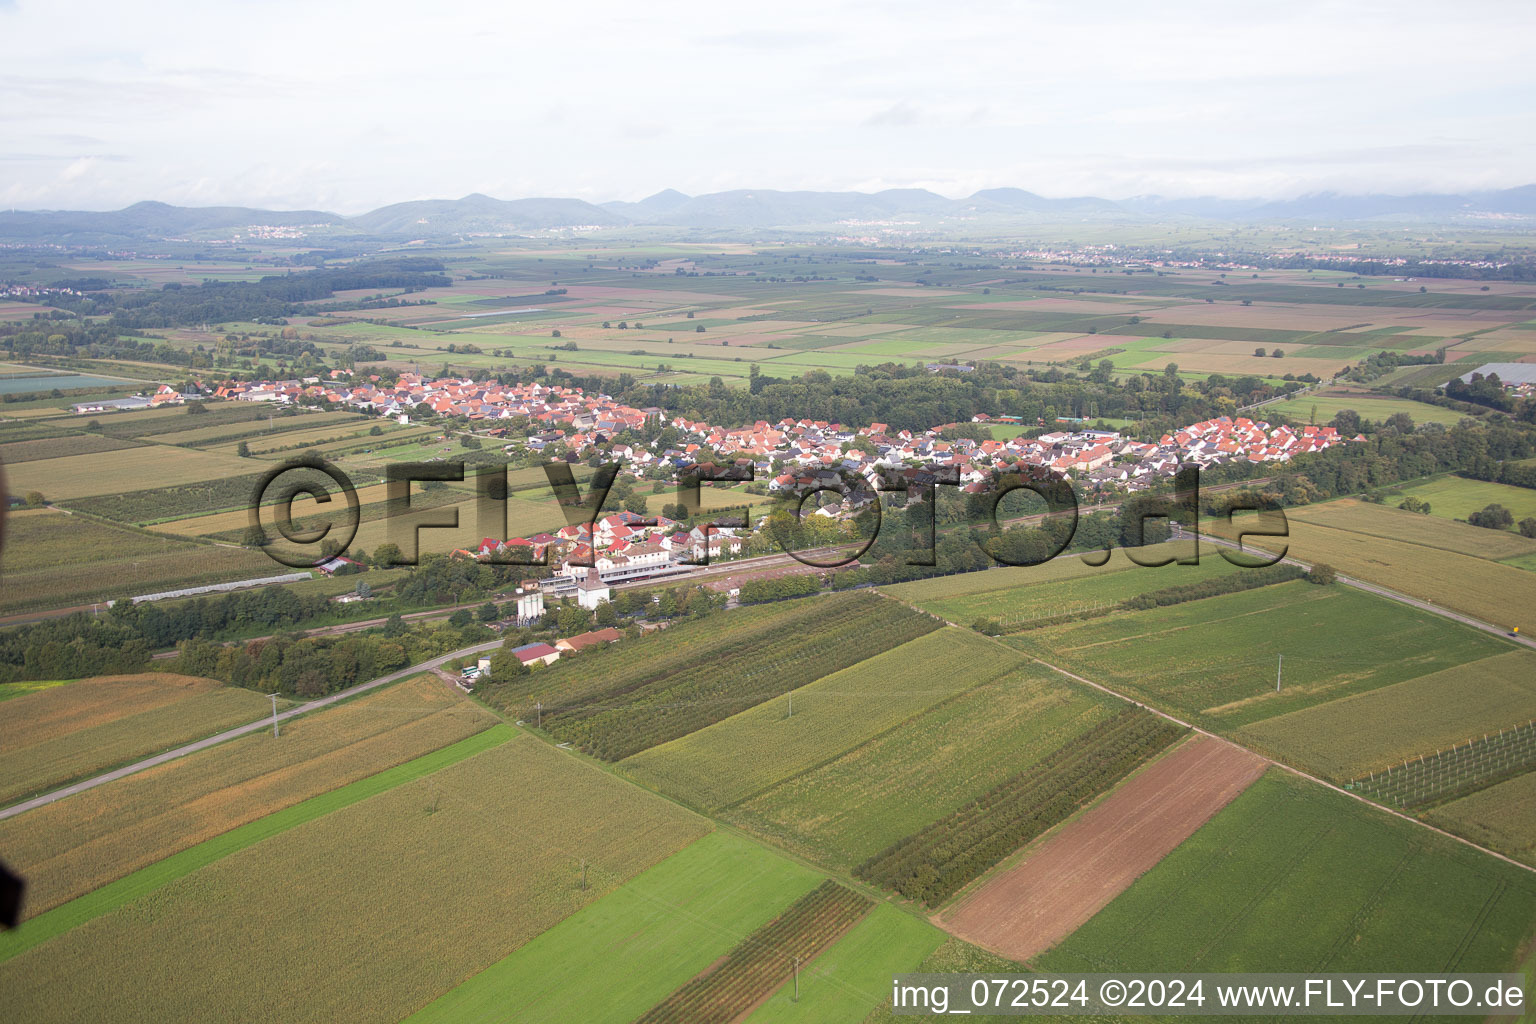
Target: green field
731, 760
1296, 878
1366, 732
846, 810
469, 862
853, 977
1451, 564
1455, 497
629, 697
644, 939
1321, 409
1501, 817
1065, 586
1215, 660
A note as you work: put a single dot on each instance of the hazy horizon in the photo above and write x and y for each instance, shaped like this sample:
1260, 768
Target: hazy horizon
240, 105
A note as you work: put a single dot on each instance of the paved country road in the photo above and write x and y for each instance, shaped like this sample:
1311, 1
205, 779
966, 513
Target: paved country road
229, 734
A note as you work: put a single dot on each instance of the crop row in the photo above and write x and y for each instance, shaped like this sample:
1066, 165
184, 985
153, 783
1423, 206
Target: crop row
763, 960
642, 712
1452, 773
935, 862
650, 658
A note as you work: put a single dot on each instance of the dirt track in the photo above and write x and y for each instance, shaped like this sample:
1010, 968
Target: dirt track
1072, 875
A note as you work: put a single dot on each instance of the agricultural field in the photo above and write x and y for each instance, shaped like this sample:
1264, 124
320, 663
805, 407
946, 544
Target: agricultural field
1501, 817
113, 472
17, 452
68, 848
60, 734
622, 702
1455, 497
757, 966
645, 939
1367, 732
1451, 564
846, 810
1027, 595
854, 976
1322, 406
429, 864
1298, 878
732, 760
934, 863
54, 560
1059, 883
1214, 661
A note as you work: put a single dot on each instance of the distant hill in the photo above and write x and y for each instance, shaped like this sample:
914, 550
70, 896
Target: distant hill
755, 210
479, 214
159, 220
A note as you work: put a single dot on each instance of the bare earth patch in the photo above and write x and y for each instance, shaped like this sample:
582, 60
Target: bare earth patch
1075, 873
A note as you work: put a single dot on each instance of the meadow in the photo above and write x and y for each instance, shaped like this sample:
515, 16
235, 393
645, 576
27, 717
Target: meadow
1214, 661
747, 753
55, 736
844, 811
1297, 878
430, 864
68, 848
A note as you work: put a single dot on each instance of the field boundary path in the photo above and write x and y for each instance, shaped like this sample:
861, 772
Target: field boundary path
229, 734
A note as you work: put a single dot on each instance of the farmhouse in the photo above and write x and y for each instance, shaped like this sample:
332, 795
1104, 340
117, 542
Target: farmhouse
542, 653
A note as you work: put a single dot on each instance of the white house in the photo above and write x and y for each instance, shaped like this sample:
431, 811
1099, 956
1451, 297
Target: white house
591, 591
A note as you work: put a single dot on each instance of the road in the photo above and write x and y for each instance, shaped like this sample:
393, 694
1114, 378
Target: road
229, 734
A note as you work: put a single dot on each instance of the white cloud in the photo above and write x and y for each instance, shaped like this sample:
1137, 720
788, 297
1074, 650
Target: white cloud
348, 106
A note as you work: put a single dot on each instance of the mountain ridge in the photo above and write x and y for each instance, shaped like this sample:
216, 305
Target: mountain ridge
755, 210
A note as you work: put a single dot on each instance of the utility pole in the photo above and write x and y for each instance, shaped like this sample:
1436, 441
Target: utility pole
539, 708
274, 716
797, 979
1279, 667
791, 704
583, 875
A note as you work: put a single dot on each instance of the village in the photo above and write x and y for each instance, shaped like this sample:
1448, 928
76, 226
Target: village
786, 457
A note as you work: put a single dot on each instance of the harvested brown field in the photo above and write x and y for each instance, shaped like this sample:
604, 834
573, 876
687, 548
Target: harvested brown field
1075, 872
68, 848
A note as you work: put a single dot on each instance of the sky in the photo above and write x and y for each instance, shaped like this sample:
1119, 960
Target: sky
346, 107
